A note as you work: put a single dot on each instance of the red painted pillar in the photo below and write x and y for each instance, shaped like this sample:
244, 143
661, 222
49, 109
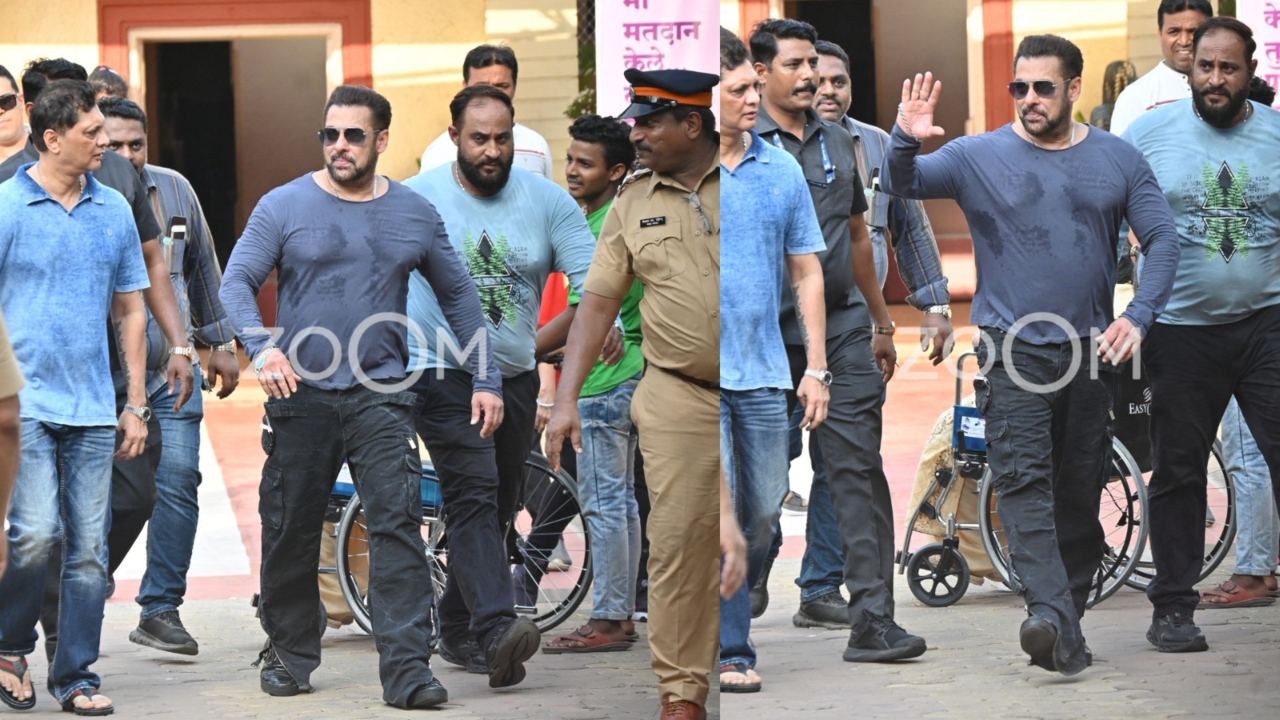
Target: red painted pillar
997, 60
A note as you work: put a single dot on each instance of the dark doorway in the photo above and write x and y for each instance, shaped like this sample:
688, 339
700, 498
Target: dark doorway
195, 133
846, 23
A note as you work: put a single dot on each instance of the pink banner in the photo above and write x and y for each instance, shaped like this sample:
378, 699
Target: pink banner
652, 35
1263, 17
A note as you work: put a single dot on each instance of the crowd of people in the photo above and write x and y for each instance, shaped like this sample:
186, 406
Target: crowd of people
406, 313
1185, 177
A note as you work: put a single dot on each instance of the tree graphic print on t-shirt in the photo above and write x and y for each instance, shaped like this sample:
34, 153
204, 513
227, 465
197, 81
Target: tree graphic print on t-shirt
1224, 211
487, 265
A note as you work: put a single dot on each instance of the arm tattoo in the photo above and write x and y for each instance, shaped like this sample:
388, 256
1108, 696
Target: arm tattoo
804, 331
124, 362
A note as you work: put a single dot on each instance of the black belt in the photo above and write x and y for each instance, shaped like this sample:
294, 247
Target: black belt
705, 385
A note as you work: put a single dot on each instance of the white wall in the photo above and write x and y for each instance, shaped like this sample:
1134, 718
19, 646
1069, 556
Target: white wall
279, 86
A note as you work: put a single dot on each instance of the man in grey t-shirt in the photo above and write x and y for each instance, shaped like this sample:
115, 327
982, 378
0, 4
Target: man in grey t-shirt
1044, 198
343, 241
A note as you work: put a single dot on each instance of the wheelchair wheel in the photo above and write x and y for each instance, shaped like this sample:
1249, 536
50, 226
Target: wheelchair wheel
1121, 512
1219, 523
549, 589
938, 575
353, 560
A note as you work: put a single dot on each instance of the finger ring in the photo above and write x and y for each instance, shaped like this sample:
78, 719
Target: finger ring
276, 376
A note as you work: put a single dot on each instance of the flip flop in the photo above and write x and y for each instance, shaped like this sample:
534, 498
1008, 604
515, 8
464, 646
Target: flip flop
585, 639
90, 711
742, 669
1235, 597
18, 669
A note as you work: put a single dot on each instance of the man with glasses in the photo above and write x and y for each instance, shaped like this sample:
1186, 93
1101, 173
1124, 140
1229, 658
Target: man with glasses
1044, 197
513, 228
13, 132
343, 241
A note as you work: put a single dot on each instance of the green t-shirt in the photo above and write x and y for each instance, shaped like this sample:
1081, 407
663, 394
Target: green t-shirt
604, 378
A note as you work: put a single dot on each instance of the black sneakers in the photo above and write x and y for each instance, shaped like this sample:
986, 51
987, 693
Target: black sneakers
1038, 637
829, 611
759, 593
508, 650
879, 639
463, 653
165, 632
1176, 633
428, 696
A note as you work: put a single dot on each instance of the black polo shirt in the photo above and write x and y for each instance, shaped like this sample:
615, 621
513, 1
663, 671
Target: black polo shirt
837, 194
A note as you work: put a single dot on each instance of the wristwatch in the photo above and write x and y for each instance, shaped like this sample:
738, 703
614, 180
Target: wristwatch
881, 330
943, 310
143, 413
229, 346
187, 352
822, 376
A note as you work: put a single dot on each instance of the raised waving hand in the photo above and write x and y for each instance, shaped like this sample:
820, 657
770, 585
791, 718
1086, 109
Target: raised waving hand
919, 101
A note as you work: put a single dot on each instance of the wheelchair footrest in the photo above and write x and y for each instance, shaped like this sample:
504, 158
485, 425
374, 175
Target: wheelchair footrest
928, 510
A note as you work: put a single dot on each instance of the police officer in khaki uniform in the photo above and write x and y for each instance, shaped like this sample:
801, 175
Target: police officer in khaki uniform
664, 228
10, 430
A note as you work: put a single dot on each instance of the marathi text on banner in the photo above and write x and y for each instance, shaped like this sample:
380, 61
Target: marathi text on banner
651, 35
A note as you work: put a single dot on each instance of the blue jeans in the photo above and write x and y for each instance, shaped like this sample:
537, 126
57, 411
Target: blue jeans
1259, 526
64, 476
753, 449
606, 490
172, 531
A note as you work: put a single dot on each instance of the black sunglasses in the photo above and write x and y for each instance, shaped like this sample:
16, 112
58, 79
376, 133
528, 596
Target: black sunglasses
8, 102
355, 136
1045, 89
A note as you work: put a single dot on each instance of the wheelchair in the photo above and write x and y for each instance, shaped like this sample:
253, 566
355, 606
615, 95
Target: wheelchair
938, 574
548, 510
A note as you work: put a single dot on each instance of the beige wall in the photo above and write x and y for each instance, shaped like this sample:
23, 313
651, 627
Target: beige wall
1144, 47
48, 28
729, 15
274, 144
544, 35
1100, 28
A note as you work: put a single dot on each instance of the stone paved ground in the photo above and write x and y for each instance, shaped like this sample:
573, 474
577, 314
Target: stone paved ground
219, 683
974, 668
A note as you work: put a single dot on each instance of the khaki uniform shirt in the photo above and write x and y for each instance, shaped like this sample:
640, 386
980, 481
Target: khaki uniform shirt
10, 373
655, 233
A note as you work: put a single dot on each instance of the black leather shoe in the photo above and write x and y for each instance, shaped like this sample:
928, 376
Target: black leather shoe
463, 653
829, 611
428, 696
165, 632
759, 594
508, 650
1038, 637
879, 639
1176, 633
274, 678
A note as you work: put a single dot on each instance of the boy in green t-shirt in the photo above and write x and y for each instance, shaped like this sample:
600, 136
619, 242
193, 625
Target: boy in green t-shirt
599, 157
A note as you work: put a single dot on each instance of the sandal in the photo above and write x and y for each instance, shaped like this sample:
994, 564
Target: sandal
1233, 596
630, 632
741, 669
585, 639
18, 669
1272, 589
69, 705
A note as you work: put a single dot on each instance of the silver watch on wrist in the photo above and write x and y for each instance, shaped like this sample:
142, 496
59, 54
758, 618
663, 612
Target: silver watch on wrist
143, 413
822, 376
229, 346
943, 310
187, 352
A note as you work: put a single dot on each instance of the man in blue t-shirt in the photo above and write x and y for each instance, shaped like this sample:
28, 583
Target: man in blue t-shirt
512, 228
769, 214
67, 241
1215, 156
1044, 198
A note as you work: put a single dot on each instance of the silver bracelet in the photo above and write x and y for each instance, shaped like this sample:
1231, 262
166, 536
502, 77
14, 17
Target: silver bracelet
903, 116
543, 404
226, 347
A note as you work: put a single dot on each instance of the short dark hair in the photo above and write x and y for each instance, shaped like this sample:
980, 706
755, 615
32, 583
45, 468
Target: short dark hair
43, 71
58, 108
767, 33
833, 50
1069, 58
473, 93
361, 96
709, 126
733, 52
4, 73
483, 56
612, 135
1169, 7
118, 107
108, 82
1260, 91
1229, 24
